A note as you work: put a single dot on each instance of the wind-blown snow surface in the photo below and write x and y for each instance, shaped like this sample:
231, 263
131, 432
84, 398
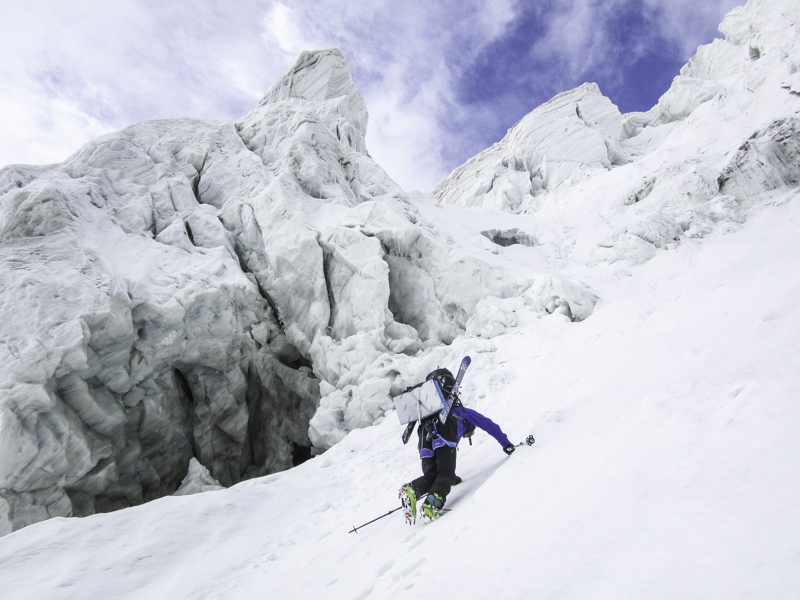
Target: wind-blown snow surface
632, 303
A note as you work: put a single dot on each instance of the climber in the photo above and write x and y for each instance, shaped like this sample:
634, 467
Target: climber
437, 450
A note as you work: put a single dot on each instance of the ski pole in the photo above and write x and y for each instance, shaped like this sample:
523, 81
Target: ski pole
355, 529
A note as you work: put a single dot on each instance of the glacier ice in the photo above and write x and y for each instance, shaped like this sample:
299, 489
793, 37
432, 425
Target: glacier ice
770, 159
188, 290
578, 129
551, 295
197, 480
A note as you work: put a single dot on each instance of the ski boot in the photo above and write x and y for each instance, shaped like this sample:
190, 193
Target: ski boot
409, 501
432, 508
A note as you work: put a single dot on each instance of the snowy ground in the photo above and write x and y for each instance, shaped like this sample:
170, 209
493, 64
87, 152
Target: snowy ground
666, 463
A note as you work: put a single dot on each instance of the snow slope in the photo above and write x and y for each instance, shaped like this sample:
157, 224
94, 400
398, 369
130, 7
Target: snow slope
635, 310
665, 465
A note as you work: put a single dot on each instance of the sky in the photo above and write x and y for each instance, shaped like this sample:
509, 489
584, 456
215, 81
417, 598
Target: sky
442, 80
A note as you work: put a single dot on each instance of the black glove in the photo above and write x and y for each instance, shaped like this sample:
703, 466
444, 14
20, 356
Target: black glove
509, 449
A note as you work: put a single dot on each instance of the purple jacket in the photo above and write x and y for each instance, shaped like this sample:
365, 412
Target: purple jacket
469, 419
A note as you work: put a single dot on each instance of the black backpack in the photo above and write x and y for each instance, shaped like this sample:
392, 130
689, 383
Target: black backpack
446, 382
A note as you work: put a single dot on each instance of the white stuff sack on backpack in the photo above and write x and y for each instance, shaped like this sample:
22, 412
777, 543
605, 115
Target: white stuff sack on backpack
419, 402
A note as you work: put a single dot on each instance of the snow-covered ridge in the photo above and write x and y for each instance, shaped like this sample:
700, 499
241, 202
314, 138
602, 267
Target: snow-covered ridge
624, 186
578, 128
320, 76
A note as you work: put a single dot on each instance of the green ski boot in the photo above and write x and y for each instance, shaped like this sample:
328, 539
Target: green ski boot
432, 508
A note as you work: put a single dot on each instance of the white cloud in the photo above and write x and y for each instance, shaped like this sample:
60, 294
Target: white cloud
42, 130
405, 135
574, 37
72, 69
282, 27
687, 21
124, 61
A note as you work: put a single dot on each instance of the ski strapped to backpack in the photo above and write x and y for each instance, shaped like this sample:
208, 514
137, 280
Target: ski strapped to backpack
454, 392
409, 430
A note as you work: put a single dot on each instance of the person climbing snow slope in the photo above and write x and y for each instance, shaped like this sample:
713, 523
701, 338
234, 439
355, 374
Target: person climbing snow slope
438, 443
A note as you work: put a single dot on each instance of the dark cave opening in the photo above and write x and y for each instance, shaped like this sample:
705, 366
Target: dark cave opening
300, 454
509, 237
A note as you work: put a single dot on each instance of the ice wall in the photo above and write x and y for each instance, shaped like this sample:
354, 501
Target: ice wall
576, 130
189, 289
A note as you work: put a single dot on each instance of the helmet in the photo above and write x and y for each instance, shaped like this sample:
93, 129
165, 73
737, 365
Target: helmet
445, 379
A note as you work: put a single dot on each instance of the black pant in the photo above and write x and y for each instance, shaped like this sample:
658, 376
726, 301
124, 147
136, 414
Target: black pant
438, 473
